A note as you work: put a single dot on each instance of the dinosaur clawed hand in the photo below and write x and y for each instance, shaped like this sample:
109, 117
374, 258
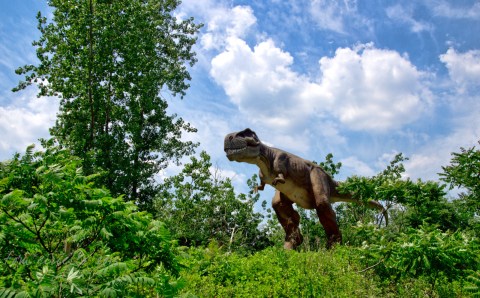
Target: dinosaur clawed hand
278, 180
257, 188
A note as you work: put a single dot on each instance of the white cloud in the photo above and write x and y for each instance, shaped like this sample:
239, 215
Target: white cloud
464, 131
463, 68
361, 88
25, 121
446, 9
337, 16
328, 15
357, 167
404, 14
373, 89
364, 88
256, 79
427, 162
233, 22
221, 21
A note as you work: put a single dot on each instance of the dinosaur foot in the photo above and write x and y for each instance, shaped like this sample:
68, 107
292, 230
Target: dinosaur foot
293, 242
333, 240
288, 245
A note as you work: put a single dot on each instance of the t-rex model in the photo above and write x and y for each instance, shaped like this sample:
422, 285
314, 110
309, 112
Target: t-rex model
296, 180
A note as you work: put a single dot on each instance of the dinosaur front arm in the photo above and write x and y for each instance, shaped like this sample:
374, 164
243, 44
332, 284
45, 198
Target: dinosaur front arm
279, 179
259, 187
280, 166
262, 183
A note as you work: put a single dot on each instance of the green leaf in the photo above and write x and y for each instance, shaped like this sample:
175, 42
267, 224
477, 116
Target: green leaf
105, 234
7, 293
72, 274
13, 200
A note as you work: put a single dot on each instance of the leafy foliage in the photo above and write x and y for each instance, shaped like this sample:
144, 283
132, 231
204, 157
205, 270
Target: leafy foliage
201, 206
275, 272
410, 203
61, 235
108, 62
385, 187
426, 251
473, 286
464, 172
330, 166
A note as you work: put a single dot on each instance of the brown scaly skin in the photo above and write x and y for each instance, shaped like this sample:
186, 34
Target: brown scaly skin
296, 180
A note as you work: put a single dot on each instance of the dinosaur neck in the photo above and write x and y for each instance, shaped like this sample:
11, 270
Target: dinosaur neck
263, 161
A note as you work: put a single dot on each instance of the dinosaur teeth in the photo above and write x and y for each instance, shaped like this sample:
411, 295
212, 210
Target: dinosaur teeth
232, 151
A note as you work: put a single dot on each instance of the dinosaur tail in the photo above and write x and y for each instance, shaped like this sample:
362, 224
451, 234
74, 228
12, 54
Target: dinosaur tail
340, 197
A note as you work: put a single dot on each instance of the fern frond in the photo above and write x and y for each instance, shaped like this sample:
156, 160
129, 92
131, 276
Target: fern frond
145, 281
113, 269
474, 284
7, 293
108, 293
23, 294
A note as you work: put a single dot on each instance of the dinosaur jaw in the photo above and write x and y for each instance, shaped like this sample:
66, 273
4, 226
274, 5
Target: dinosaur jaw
231, 152
245, 154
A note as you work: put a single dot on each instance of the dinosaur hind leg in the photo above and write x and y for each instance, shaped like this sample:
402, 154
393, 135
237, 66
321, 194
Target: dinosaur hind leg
289, 219
329, 222
324, 209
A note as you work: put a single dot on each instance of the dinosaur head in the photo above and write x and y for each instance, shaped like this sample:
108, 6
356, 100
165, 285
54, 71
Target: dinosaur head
242, 146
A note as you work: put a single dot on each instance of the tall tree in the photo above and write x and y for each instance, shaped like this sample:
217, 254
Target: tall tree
109, 61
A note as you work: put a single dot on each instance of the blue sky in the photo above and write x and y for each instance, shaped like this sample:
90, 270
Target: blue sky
363, 80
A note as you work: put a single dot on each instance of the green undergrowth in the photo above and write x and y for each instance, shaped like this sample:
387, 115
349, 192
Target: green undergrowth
275, 272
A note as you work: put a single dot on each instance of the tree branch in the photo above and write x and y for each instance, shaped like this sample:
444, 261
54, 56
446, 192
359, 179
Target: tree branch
37, 235
85, 244
373, 266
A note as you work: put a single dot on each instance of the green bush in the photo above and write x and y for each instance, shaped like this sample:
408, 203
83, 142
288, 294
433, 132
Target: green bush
275, 272
61, 235
426, 253
200, 206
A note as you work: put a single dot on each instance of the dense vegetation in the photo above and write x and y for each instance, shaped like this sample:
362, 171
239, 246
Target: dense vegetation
63, 234
73, 223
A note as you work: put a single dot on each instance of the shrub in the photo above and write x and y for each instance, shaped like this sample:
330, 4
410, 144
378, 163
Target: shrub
61, 235
426, 253
275, 272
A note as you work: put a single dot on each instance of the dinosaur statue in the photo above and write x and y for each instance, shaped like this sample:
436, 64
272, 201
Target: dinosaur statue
296, 180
